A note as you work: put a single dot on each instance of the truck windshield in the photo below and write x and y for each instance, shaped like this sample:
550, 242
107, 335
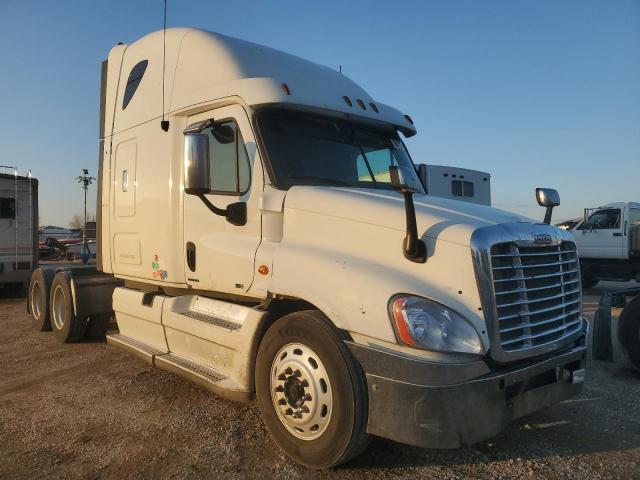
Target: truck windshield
306, 149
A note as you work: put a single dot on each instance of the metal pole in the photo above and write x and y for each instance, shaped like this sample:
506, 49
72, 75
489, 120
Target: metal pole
15, 216
84, 226
85, 179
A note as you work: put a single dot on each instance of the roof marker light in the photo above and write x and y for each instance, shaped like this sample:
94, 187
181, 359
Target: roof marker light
347, 100
374, 107
285, 89
409, 119
361, 104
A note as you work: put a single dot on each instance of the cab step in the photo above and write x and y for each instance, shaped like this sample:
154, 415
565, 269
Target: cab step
214, 380
142, 350
212, 319
203, 375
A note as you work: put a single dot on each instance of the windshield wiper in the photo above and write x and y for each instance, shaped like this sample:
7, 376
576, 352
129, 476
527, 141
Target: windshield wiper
332, 181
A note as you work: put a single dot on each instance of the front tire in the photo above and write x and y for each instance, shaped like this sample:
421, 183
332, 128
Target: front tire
65, 324
629, 331
311, 392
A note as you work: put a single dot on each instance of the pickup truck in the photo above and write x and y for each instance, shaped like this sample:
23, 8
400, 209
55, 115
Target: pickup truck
608, 241
262, 230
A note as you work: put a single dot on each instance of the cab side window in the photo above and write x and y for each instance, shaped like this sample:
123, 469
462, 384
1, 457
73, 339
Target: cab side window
606, 219
229, 167
634, 216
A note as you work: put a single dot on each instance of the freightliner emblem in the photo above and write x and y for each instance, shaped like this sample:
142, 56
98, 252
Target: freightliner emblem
542, 239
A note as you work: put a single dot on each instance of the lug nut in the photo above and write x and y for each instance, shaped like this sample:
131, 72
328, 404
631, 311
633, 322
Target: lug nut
297, 373
307, 397
297, 415
304, 409
288, 411
279, 388
282, 376
282, 401
304, 383
288, 371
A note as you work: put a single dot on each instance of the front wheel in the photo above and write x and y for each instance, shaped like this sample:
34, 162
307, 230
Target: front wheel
311, 392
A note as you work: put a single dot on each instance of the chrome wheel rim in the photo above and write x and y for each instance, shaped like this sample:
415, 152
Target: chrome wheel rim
58, 307
301, 391
36, 308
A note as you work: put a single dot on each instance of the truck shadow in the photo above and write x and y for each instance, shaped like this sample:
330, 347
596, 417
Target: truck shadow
15, 292
588, 424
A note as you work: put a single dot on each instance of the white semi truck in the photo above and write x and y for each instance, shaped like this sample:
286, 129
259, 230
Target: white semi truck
262, 231
608, 240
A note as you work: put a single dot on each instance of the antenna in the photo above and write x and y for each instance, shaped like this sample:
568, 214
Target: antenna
164, 124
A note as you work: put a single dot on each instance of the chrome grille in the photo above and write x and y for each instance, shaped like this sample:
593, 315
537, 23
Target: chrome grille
537, 294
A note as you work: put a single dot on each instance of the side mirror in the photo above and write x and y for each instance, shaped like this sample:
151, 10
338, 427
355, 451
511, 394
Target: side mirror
422, 174
548, 198
197, 169
406, 182
196, 164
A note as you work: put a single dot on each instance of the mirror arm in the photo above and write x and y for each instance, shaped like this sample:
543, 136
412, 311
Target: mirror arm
235, 213
218, 211
414, 248
547, 215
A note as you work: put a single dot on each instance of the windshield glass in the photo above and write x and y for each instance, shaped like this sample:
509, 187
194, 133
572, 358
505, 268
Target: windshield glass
306, 149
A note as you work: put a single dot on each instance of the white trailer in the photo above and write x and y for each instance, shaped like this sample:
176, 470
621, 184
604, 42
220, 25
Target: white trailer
262, 230
456, 183
18, 227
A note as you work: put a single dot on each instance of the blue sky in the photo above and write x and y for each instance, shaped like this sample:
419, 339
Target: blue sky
538, 93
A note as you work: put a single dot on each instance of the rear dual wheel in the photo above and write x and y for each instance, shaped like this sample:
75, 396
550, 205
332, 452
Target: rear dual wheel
38, 299
311, 392
64, 323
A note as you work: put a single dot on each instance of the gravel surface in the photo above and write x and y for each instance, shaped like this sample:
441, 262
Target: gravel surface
92, 411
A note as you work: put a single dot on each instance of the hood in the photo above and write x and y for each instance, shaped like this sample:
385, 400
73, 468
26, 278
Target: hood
438, 218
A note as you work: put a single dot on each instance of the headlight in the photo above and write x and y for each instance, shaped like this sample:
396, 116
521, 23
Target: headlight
426, 324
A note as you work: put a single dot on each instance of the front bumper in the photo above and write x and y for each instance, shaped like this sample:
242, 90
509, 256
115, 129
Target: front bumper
456, 406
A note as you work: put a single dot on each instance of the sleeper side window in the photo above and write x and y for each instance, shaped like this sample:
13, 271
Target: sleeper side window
462, 188
7, 208
135, 77
229, 162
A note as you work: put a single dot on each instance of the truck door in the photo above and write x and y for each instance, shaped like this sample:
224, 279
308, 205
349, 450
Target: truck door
220, 256
601, 236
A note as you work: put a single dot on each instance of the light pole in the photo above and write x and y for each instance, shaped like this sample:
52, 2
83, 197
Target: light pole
85, 180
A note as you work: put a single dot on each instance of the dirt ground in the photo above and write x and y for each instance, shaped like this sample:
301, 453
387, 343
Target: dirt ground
91, 411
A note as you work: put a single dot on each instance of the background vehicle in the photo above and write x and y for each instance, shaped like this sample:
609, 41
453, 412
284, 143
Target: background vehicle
608, 241
568, 224
263, 230
456, 183
18, 221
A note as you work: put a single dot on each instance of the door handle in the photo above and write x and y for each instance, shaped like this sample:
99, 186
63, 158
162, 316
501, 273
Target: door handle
191, 256
617, 234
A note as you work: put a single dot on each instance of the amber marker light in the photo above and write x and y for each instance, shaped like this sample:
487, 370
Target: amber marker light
397, 309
